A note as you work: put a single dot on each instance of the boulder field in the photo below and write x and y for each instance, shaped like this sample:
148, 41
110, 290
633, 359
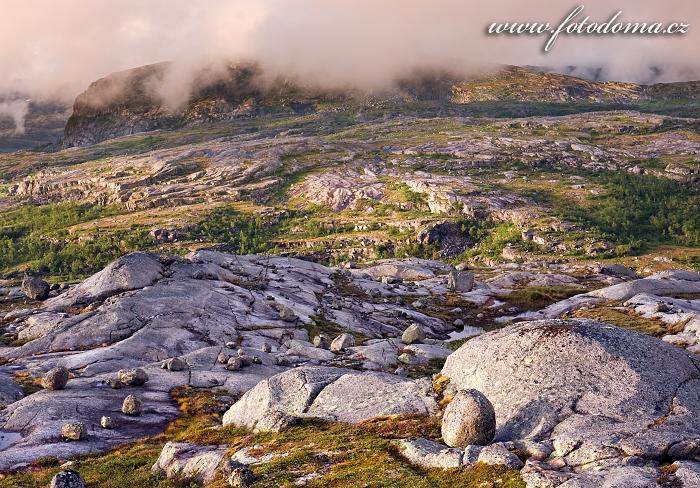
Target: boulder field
568, 402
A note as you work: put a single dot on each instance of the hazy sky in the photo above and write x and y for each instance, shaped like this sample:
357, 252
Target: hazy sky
50, 48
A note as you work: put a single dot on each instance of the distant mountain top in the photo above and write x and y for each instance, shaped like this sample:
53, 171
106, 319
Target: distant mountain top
136, 100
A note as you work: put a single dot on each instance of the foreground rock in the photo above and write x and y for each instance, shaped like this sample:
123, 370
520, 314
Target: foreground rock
329, 393
191, 462
55, 379
469, 419
67, 479
597, 392
35, 288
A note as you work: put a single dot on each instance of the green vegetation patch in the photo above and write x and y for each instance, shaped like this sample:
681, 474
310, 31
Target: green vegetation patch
539, 297
37, 238
613, 314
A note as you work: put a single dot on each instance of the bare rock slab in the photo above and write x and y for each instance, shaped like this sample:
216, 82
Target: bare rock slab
429, 454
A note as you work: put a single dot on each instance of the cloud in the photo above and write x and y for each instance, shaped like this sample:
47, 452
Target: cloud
52, 49
16, 110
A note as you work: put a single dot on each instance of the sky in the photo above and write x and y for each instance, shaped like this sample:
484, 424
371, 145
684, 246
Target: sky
54, 49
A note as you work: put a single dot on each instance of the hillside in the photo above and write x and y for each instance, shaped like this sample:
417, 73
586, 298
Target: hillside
488, 283
127, 102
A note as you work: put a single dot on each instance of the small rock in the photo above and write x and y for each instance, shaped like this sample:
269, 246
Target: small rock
458, 323
468, 419
67, 479
241, 477
35, 288
414, 333
231, 345
74, 431
107, 422
287, 314
55, 379
498, 454
115, 384
132, 406
322, 341
246, 360
402, 372
174, 364
266, 347
223, 358
405, 358
342, 342
460, 281
234, 364
132, 376
688, 449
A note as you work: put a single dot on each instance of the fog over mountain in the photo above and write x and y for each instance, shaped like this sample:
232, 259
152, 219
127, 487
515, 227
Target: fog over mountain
55, 49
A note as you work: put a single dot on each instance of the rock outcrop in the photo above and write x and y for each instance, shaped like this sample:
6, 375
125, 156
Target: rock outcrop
329, 393
596, 391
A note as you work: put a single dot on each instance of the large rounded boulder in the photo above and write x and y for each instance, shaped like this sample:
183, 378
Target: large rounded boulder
589, 386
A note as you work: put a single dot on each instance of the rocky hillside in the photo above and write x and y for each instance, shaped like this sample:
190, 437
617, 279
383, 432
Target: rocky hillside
488, 283
128, 102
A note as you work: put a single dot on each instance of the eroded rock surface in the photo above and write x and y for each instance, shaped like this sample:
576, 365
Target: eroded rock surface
596, 391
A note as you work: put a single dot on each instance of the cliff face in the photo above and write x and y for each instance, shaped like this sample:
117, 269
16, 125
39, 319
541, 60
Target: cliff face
128, 102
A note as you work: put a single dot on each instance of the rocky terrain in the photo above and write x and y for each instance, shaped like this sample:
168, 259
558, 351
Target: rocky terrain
489, 282
282, 340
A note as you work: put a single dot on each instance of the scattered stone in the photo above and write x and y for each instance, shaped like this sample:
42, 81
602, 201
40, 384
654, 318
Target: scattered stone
322, 341
287, 314
55, 379
223, 358
460, 281
241, 477
67, 479
458, 323
342, 343
174, 364
469, 419
245, 360
35, 288
132, 406
406, 358
132, 376
413, 333
107, 422
618, 270
115, 384
74, 431
498, 454
687, 449
401, 371
266, 347
234, 364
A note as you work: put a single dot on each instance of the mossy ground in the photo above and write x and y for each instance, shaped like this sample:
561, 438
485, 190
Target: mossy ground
342, 455
613, 314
